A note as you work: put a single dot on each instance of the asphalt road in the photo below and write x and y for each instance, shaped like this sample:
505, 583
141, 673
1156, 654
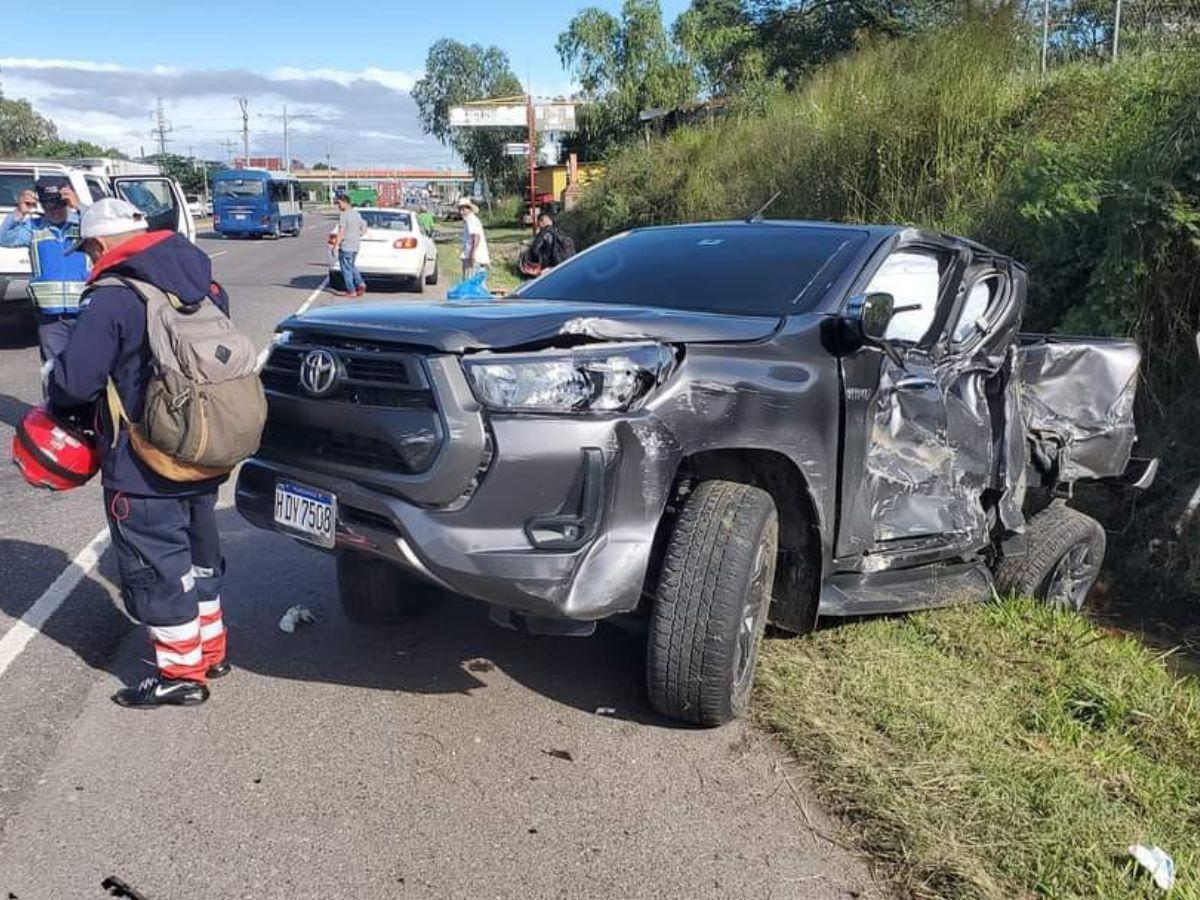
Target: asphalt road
443, 758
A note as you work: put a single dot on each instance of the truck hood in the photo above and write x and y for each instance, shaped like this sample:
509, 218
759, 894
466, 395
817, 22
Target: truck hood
459, 326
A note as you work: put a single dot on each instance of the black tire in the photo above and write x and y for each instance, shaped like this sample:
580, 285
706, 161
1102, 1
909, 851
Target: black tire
1065, 550
336, 281
374, 592
417, 285
432, 278
710, 606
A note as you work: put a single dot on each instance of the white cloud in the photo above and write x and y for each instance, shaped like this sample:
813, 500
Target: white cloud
364, 117
14, 62
395, 79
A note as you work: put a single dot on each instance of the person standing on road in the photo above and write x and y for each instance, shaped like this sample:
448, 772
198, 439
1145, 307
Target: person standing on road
427, 222
346, 243
164, 532
474, 242
57, 270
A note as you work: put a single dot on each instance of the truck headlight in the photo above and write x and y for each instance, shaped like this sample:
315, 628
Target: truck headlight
605, 378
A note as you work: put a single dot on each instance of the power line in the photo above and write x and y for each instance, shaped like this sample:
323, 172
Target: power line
287, 154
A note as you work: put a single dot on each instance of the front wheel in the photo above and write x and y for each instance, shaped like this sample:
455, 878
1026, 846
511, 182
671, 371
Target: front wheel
374, 592
711, 603
1065, 550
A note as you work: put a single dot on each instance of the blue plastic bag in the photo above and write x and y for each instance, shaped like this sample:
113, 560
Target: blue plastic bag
471, 289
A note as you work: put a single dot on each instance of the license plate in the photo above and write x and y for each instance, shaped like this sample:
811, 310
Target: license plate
238, 216
307, 512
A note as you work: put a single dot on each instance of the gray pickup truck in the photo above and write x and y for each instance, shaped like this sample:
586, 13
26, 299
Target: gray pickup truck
700, 429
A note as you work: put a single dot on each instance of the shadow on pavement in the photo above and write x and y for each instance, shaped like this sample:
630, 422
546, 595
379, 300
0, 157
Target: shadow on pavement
307, 282
438, 653
88, 623
12, 410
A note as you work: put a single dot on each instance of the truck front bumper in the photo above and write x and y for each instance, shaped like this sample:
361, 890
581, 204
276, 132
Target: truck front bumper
560, 524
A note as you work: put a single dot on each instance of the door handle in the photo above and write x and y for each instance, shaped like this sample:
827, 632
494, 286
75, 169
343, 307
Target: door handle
916, 383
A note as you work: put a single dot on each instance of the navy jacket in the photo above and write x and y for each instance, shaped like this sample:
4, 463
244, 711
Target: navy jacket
110, 340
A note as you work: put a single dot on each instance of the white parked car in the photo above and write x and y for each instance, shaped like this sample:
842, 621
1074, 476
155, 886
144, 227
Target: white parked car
197, 206
394, 246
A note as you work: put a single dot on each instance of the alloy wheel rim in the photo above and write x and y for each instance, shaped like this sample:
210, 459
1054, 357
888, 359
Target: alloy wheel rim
1071, 578
748, 622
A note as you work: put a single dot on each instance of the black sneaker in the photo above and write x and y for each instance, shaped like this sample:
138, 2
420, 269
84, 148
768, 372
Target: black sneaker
157, 691
220, 670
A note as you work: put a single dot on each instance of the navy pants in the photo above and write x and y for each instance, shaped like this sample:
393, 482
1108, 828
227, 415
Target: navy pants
169, 558
53, 334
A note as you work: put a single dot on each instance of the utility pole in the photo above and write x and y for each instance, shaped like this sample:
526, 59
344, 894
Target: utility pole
161, 128
1116, 30
245, 105
229, 145
287, 152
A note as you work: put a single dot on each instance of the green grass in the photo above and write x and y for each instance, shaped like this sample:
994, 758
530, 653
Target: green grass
504, 244
1001, 751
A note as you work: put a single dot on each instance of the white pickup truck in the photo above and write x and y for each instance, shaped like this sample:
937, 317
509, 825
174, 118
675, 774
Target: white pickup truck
158, 196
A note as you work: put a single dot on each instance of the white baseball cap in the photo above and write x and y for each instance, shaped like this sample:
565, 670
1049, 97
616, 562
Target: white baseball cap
110, 216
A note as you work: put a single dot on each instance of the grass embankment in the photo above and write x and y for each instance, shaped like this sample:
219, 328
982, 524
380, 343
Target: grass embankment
1001, 751
504, 244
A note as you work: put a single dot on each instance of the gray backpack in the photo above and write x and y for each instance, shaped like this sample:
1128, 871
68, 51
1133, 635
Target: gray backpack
205, 407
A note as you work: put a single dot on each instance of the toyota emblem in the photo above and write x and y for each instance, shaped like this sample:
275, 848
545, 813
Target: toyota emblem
320, 373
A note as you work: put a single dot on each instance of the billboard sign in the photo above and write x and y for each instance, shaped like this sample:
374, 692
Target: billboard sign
550, 116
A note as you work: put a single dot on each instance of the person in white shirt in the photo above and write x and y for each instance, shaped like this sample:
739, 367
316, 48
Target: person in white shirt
474, 242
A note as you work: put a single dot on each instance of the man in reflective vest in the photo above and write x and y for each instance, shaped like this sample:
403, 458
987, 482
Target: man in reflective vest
58, 270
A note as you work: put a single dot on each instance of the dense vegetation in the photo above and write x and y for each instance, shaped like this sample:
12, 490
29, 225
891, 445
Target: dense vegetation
1090, 174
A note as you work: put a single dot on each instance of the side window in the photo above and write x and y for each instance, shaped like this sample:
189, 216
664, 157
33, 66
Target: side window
978, 302
913, 278
97, 188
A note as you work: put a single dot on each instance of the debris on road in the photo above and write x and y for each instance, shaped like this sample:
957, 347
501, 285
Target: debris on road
296, 615
480, 665
560, 754
118, 888
606, 711
1155, 861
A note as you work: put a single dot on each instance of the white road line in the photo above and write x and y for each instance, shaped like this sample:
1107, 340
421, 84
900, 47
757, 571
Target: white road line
218, 253
262, 357
35, 617
31, 621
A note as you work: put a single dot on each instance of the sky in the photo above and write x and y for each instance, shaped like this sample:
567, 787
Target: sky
344, 69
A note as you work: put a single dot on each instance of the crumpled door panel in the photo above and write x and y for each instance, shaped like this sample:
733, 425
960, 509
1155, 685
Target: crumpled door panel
1076, 398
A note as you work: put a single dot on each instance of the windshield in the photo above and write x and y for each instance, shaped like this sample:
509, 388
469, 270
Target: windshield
733, 268
392, 221
237, 187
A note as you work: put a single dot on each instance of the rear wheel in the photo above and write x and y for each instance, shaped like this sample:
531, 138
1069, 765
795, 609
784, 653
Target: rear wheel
418, 284
336, 281
432, 277
710, 607
374, 592
1065, 551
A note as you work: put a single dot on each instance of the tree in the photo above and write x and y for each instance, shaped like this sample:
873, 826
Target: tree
188, 172
456, 73
724, 44
22, 130
60, 149
625, 65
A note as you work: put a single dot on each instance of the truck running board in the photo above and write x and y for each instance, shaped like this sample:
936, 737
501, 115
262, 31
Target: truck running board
901, 590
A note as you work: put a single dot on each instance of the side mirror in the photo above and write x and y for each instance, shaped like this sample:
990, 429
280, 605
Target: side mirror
876, 315
868, 316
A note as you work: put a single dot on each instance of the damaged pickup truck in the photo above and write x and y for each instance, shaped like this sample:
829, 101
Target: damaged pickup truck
702, 428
